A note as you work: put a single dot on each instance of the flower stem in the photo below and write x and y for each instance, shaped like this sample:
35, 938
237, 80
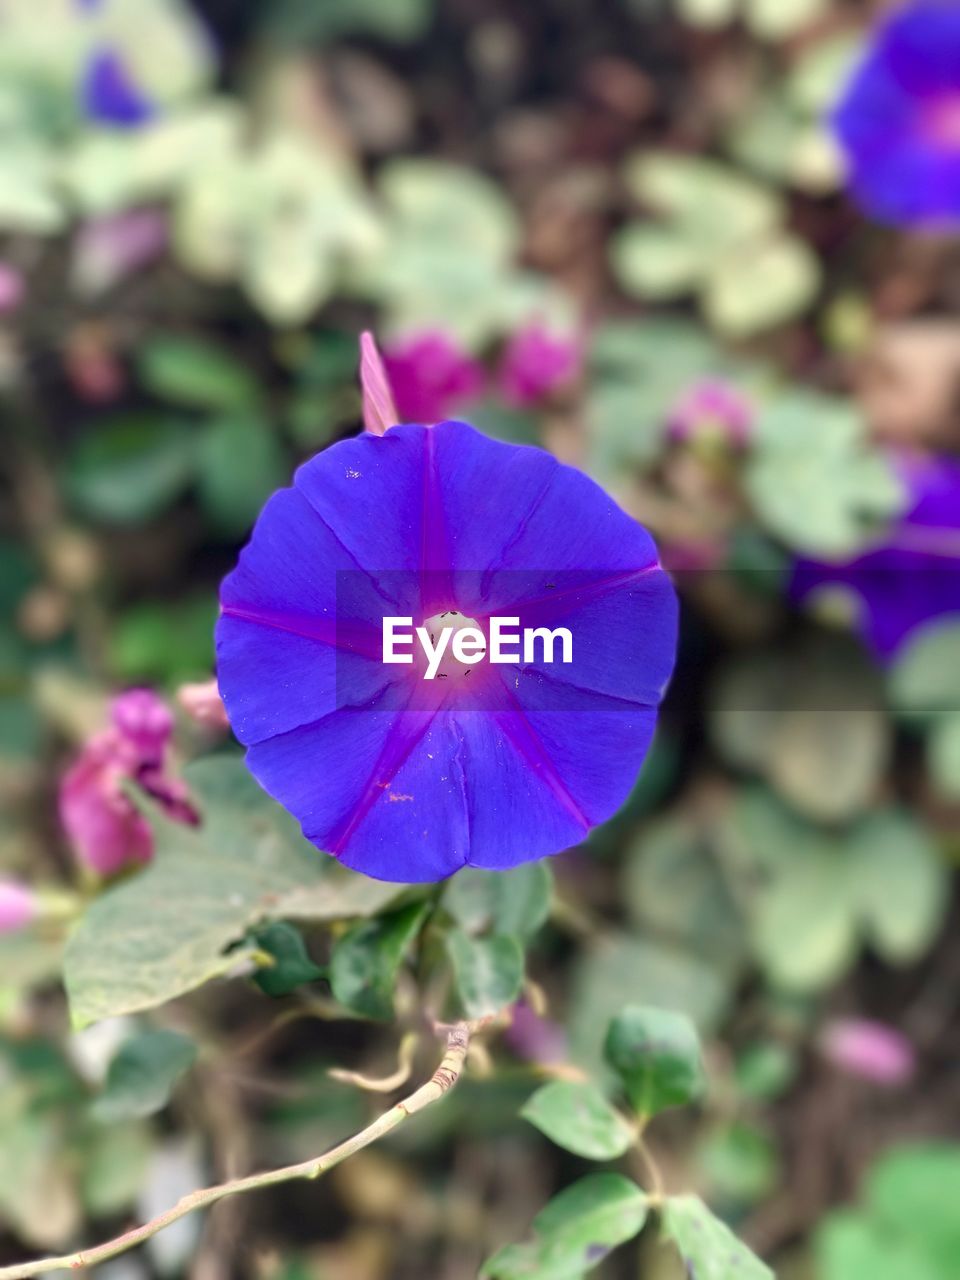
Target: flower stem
457, 1037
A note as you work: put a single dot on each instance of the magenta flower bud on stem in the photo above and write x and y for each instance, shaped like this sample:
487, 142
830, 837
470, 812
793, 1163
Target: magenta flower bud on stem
102, 822
203, 704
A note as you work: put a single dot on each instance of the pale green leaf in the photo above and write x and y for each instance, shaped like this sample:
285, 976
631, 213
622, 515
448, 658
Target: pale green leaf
577, 1117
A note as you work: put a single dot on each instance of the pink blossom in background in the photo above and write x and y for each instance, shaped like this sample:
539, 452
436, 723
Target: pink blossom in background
534, 1038
109, 249
714, 409
12, 288
537, 363
870, 1050
431, 377
101, 820
18, 906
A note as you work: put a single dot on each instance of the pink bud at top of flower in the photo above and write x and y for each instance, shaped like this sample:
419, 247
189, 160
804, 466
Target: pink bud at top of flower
870, 1050
537, 363
203, 704
12, 288
104, 826
712, 410
18, 906
145, 721
379, 411
431, 377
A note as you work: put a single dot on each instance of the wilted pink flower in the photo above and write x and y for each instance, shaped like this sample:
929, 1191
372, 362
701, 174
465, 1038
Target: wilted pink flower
109, 249
431, 377
536, 363
101, 820
18, 906
203, 704
712, 409
535, 1038
871, 1050
12, 288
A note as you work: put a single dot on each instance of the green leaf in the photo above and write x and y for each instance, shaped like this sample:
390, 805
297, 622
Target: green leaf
488, 971
622, 969
943, 754
292, 966
575, 1232
900, 885
143, 1074
241, 464
707, 199
815, 480
196, 373
708, 1247
914, 1191
740, 1164
811, 720
130, 469
115, 1161
760, 286
657, 262
849, 1247
364, 963
577, 1117
167, 930
164, 643
656, 1054
925, 678
514, 902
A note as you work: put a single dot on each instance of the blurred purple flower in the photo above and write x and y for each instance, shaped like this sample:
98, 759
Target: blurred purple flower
872, 1051
18, 906
12, 288
910, 578
537, 363
109, 249
534, 1038
712, 410
898, 120
105, 828
406, 779
431, 377
203, 704
109, 95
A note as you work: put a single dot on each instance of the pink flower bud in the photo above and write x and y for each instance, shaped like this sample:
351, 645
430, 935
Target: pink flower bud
870, 1050
534, 1038
203, 704
144, 720
712, 409
104, 826
379, 410
536, 364
431, 377
18, 906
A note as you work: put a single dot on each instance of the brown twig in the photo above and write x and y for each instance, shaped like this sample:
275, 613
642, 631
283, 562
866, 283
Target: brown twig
457, 1037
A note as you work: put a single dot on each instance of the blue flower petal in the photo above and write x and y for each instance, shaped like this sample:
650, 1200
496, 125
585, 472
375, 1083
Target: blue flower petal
109, 95
410, 780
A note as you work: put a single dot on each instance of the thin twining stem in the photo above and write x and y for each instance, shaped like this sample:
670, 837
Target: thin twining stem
457, 1037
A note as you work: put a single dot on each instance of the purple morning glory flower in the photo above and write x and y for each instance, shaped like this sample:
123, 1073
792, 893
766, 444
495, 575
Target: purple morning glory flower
913, 576
487, 765
109, 95
898, 121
